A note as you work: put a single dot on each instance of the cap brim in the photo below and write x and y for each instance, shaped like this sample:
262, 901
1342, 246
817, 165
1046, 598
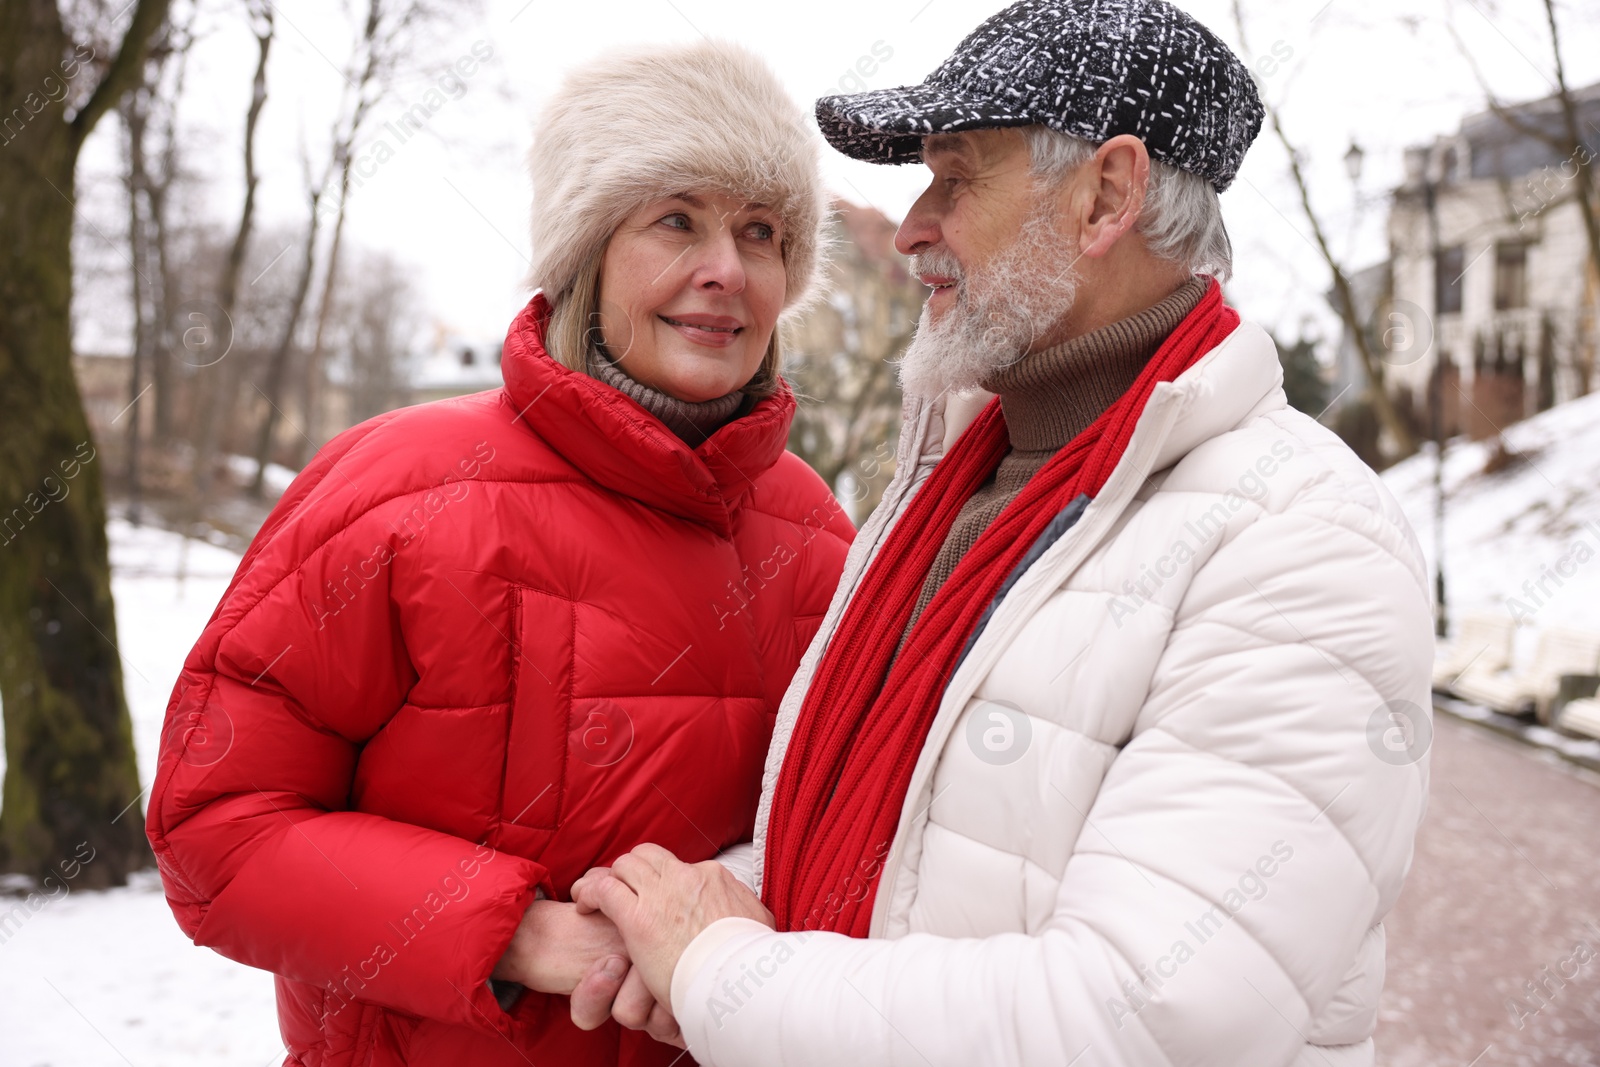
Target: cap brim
888, 125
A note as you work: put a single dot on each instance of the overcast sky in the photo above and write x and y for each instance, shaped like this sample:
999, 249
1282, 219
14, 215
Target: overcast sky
453, 201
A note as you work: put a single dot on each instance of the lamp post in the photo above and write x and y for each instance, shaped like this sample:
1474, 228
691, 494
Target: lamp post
1430, 199
1353, 159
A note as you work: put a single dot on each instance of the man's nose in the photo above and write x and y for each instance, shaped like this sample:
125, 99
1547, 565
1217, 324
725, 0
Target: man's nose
920, 229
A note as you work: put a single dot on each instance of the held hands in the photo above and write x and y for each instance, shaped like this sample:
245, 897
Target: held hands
571, 951
613, 989
659, 904
648, 906
556, 944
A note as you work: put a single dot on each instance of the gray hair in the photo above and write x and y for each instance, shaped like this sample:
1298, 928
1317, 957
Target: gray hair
1182, 218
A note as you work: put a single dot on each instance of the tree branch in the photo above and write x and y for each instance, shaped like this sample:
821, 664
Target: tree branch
124, 71
1500, 111
1382, 404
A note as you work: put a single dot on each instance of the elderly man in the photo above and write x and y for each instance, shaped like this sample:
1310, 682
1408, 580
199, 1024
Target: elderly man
1111, 749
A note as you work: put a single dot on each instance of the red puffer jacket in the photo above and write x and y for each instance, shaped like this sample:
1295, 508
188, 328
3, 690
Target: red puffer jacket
480, 646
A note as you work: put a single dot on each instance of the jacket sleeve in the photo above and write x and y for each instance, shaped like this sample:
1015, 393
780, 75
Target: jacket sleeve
740, 860
260, 855
1237, 857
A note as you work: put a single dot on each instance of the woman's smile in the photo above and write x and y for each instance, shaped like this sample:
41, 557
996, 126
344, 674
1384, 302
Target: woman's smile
713, 331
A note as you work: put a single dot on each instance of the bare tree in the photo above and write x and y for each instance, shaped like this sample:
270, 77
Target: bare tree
163, 181
387, 37
841, 362
149, 111
219, 387
371, 332
136, 181
1349, 311
282, 352
367, 90
70, 772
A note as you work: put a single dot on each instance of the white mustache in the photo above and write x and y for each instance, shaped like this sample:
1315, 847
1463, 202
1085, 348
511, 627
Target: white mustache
938, 261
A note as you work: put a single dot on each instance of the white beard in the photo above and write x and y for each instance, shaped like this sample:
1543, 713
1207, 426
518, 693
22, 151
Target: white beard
1001, 309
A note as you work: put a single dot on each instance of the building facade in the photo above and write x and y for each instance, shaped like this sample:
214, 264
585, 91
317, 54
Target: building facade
1491, 282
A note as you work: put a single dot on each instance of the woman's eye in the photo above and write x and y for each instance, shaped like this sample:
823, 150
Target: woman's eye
677, 221
760, 231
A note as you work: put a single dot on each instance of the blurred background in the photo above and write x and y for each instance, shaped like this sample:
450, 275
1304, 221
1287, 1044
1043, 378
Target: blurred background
230, 229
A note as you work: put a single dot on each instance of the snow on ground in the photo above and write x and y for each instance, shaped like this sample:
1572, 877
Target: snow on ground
275, 480
1524, 541
107, 978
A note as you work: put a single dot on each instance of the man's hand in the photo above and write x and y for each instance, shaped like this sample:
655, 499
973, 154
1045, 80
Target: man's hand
660, 904
557, 944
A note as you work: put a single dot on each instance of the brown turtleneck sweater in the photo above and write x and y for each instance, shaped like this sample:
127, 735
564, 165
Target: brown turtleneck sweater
692, 421
1049, 397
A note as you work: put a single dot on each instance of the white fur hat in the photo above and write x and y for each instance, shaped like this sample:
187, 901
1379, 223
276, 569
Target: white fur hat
651, 122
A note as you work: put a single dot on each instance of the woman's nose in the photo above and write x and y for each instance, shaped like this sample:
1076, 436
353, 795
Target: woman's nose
720, 266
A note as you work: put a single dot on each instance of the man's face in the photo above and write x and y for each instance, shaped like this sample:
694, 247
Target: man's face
982, 189
987, 237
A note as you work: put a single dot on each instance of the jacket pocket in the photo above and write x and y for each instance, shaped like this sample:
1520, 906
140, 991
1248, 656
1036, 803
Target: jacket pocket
541, 701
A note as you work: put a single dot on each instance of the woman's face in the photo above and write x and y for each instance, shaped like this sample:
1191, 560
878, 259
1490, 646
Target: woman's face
690, 290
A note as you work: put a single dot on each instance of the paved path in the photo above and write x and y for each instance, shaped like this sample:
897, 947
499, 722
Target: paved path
1506, 883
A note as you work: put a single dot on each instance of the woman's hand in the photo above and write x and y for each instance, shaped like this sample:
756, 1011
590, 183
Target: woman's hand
615, 990
555, 945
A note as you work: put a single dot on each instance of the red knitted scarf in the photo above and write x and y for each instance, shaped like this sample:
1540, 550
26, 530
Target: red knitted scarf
863, 724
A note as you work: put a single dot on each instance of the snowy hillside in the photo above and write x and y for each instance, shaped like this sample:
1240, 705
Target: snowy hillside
1524, 540
108, 979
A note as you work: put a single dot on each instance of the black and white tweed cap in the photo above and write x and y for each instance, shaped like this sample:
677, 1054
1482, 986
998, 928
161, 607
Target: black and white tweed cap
1090, 68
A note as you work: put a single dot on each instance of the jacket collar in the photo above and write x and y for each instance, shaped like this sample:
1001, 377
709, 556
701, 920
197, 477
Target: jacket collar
1237, 380
1226, 386
624, 448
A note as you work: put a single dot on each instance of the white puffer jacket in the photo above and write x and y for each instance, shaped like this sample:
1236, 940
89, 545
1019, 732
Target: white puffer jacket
1169, 795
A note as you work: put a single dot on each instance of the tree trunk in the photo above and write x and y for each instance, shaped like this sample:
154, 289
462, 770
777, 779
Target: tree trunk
278, 366
1583, 178
221, 386
311, 384
70, 771
157, 186
344, 150
1403, 441
161, 375
137, 182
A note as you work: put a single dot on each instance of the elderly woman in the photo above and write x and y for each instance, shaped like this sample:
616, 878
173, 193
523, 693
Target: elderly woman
485, 644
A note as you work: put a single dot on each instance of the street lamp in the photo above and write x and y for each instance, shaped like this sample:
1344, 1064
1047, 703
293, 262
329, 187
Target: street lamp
1353, 158
1430, 199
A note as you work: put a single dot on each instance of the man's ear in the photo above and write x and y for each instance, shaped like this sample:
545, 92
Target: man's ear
1121, 173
